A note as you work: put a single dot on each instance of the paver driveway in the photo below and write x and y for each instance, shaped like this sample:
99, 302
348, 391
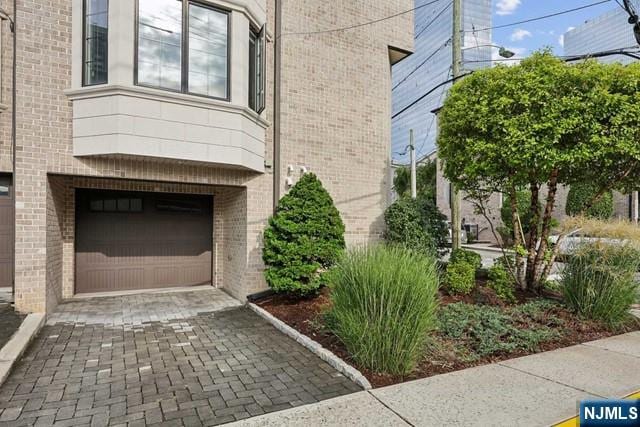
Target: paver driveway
203, 369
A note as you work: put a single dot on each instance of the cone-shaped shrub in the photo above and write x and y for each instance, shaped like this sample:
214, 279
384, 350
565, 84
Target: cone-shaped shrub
304, 238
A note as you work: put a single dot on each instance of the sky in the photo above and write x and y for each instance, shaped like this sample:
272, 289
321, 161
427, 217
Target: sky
526, 38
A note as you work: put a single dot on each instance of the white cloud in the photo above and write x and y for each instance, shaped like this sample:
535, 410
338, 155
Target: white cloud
507, 7
519, 34
561, 38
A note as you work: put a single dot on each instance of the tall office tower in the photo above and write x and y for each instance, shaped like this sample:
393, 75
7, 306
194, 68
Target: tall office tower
608, 31
430, 65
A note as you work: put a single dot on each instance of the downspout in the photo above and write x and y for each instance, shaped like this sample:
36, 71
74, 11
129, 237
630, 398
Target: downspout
277, 64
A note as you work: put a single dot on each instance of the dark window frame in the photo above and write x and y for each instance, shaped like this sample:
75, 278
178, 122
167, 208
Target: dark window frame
84, 46
257, 86
184, 51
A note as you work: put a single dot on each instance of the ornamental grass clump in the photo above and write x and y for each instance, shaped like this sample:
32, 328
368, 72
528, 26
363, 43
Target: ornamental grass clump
383, 305
599, 281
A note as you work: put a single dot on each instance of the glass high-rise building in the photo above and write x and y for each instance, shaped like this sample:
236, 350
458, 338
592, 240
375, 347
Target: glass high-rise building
608, 31
431, 65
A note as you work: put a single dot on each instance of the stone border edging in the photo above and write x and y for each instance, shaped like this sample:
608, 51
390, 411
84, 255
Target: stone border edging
340, 365
15, 347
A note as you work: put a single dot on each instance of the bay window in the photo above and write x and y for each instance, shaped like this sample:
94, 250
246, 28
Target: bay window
95, 42
183, 46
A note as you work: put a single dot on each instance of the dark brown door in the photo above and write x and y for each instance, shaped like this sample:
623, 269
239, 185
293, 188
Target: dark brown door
127, 241
6, 232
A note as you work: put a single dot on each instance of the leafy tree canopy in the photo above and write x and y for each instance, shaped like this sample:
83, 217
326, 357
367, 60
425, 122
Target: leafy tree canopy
425, 180
541, 124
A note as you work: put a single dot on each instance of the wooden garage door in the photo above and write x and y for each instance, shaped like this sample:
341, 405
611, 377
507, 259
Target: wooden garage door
6, 232
128, 241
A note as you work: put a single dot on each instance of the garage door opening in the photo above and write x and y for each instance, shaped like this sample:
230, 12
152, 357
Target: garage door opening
132, 241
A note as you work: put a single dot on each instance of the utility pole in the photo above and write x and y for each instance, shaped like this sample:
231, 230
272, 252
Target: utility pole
456, 69
412, 151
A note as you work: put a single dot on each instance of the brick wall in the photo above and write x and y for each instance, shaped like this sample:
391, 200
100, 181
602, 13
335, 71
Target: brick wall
335, 121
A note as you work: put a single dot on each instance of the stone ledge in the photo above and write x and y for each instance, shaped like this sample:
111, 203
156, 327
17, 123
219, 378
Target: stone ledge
340, 365
16, 346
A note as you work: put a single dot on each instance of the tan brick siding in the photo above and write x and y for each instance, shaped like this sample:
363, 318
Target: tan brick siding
335, 121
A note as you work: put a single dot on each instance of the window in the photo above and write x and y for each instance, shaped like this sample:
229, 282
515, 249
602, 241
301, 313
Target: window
256, 71
5, 186
183, 46
95, 49
116, 205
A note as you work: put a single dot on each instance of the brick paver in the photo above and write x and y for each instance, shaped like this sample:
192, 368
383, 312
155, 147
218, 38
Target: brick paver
207, 369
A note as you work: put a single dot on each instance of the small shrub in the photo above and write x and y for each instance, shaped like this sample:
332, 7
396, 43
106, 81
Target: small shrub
598, 282
416, 224
460, 278
304, 238
470, 257
483, 331
582, 193
502, 283
405, 226
383, 304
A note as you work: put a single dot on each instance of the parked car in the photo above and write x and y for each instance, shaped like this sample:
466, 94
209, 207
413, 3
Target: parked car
463, 235
575, 239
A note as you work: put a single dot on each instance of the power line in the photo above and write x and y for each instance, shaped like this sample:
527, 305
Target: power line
433, 20
429, 92
562, 12
622, 51
421, 64
375, 21
570, 58
433, 118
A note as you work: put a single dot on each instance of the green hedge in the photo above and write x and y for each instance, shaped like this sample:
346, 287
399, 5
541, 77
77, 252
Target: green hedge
304, 238
583, 193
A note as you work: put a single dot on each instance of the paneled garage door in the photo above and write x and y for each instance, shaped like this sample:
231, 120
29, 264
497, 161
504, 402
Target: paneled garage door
128, 241
6, 232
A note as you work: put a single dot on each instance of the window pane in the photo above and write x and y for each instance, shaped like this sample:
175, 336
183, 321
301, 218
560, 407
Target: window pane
207, 51
252, 70
96, 205
110, 205
95, 42
136, 205
159, 43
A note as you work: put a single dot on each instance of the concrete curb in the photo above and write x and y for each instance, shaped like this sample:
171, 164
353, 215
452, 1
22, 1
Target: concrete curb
15, 347
340, 365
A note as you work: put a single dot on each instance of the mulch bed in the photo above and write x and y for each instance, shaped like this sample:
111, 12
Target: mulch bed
10, 321
306, 316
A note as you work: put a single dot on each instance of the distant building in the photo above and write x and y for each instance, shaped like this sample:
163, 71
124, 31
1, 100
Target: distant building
430, 65
608, 31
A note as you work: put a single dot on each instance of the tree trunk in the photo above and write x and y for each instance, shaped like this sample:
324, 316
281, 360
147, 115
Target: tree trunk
534, 223
517, 237
536, 283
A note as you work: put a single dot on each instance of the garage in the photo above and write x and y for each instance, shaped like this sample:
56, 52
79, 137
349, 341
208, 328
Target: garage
6, 232
132, 240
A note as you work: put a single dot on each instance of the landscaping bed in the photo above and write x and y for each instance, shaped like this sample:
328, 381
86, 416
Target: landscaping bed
10, 321
472, 330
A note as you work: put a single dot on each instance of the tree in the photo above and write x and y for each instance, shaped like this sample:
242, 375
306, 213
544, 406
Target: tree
304, 238
581, 194
416, 224
425, 180
541, 124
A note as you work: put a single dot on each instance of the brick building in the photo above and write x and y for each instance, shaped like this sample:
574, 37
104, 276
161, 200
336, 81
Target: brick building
153, 137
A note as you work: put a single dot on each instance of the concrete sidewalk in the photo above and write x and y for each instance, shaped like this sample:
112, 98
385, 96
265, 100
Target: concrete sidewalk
537, 390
